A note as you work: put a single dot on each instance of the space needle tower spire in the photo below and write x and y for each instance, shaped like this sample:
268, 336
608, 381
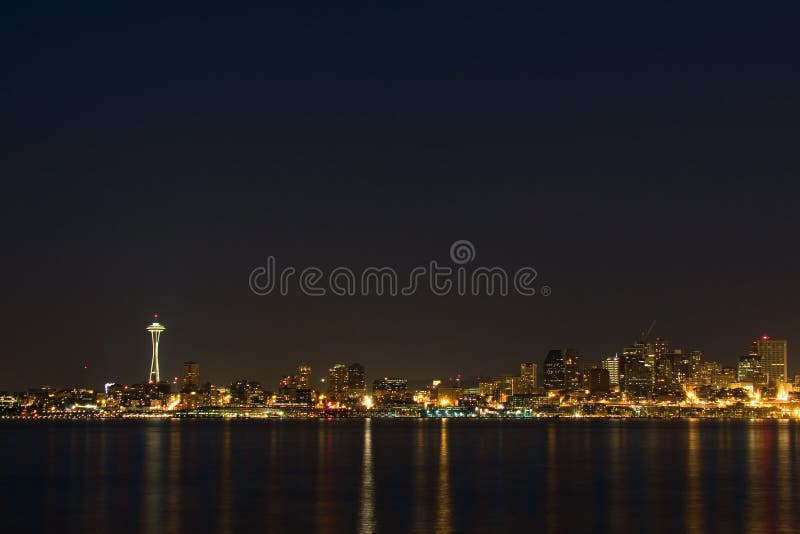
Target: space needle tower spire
155, 330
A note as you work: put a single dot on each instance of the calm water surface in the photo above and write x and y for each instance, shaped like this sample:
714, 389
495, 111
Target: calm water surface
400, 476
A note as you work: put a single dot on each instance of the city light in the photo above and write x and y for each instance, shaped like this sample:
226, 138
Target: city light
649, 379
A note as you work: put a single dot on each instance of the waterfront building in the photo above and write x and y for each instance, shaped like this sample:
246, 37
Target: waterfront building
247, 393
390, 391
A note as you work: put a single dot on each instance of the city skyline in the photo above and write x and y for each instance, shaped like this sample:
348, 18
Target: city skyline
651, 378
771, 351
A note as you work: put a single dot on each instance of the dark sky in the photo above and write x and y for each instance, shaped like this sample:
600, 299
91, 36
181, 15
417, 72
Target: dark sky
643, 159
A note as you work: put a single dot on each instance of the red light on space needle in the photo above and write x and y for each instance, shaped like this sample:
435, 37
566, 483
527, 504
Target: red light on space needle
765, 337
155, 316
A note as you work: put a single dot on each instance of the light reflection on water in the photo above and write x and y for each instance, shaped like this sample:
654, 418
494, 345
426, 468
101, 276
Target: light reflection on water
367, 516
400, 475
443, 500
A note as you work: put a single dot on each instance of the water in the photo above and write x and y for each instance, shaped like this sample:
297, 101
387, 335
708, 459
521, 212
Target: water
400, 476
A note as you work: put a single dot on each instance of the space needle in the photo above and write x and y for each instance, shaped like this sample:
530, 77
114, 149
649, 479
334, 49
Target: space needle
155, 330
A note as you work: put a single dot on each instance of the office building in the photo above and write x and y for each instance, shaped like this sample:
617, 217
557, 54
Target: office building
356, 382
612, 366
302, 378
390, 391
749, 370
635, 373
337, 381
527, 375
554, 371
191, 376
599, 381
773, 354
572, 371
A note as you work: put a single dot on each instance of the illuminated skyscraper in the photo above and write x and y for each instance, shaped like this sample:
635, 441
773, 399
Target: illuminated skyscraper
337, 381
355, 378
749, 370
390, 390
527, 373
572, 370
663, 373
155, 330
612, 366
695, 358
706, 374
682, 365
356, 383
635, 373
191, 376
554, 378
773, 356
303, 376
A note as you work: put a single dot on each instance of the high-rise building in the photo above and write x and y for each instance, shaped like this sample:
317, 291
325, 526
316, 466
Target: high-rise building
572, 370
287, 388
247, 393
725, 377
519, 386
337, 381
356, 379
636, 373
749, 370
695, 358
554, 372
303, 376
303, 389
587, 370
527, 374
599, 381
390, 390
773, 354
499, 388
706, 374
191, 376
612, 366
660, 346
155, 330
681, 366
663, 378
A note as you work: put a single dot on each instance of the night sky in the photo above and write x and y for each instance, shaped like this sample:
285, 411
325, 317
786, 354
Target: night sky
643, 160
